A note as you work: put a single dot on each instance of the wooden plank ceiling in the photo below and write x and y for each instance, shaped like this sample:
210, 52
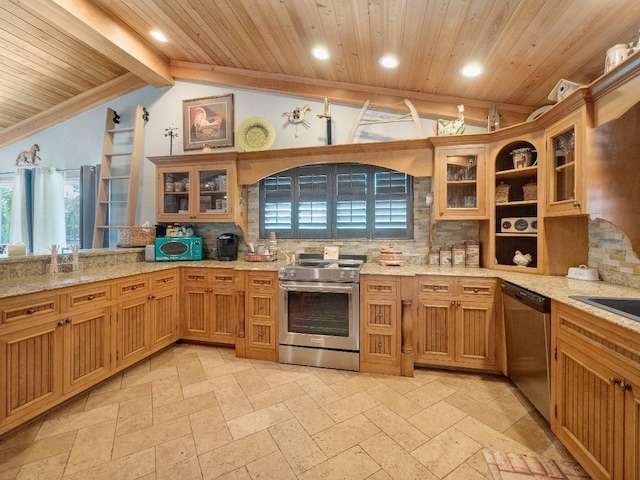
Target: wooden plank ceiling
59, 58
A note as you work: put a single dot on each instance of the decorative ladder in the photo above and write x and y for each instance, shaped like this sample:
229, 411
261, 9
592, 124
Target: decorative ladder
119, 176
412, 116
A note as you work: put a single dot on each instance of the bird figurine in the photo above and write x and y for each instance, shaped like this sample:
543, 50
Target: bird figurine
522, 259
451, 127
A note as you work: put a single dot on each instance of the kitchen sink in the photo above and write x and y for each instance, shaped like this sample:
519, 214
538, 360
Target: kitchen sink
627, 307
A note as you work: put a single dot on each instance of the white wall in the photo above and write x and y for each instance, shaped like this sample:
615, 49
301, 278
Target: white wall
78, 141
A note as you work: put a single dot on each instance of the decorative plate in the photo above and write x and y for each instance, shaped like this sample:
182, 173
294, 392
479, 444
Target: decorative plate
255, 133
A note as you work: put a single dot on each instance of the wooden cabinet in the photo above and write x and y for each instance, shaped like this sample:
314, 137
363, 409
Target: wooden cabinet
460, 176
595, 393
87, 348
380, 312
133, 329
164, 308
31, 380
209, 305
565, 144
261, 307
456, 322
61, 346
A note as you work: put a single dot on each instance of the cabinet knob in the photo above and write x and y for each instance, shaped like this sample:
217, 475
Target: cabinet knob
576, 203
435, 288
90, 297
615, 380
60, 323
476, 290
151, 297
380, 315
380, 345
31, 311
441, 213
67, 321
134, 287
453, 303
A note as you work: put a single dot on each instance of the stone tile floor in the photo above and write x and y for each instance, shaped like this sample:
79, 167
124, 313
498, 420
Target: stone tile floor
197, 412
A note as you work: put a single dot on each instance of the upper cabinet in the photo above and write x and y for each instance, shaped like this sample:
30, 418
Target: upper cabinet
565, 144
199, 188
460, 190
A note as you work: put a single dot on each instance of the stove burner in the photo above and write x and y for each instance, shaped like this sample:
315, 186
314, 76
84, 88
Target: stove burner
314, 269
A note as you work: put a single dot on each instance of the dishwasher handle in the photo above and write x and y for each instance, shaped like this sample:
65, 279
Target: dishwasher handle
534, 300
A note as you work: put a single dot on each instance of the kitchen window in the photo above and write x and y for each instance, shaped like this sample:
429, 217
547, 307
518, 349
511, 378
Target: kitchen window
337, 201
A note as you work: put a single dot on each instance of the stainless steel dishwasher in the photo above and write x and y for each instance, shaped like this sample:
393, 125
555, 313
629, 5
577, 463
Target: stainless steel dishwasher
528, 335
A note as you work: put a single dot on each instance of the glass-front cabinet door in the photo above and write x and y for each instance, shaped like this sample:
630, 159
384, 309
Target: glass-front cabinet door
212, 188
460, 188
564, 154
202, 193
174, 186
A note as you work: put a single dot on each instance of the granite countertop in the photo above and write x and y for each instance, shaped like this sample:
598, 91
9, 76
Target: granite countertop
558, 288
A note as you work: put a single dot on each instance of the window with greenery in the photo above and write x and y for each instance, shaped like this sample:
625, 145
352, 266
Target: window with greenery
6, 190
72, 206
337, 201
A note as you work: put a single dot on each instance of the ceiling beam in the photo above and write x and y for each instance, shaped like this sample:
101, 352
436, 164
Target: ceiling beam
84, 21
427, 105
77, 105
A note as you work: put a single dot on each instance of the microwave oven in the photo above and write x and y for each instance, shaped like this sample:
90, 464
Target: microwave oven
178, 248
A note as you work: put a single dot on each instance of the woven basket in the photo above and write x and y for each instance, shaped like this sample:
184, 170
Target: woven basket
136, 236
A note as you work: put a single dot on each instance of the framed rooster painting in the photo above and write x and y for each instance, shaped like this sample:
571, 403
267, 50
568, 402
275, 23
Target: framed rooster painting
208, 121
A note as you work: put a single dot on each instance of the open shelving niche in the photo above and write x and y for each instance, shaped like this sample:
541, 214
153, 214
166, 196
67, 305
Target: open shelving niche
506, 243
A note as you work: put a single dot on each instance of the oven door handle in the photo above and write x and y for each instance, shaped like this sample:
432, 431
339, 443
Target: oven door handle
315, 287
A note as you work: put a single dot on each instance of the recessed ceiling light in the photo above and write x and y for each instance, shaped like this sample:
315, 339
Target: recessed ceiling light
158, 35
389, 61
471, 70
320, 53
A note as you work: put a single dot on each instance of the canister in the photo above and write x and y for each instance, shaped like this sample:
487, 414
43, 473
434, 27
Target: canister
434, 256
472, 254
458, 255
445, 256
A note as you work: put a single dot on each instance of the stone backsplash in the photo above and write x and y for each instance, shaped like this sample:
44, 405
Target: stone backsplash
415, 251
611, 254
28, 265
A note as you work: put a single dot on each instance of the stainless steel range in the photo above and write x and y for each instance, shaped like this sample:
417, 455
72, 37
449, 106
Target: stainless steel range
320, 312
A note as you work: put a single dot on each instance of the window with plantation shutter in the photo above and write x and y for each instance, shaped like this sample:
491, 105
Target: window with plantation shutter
337, 201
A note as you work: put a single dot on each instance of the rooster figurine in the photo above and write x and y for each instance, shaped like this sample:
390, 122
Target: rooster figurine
451, 127
522, 259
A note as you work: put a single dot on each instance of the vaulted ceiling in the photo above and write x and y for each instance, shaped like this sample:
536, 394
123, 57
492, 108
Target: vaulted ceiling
59, 58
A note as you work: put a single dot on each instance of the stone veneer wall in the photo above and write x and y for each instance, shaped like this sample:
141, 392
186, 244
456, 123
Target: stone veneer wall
415, 251
25, 266
611, 253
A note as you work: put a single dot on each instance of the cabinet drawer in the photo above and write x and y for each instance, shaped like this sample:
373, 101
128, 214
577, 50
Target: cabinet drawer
223, 277
473, 288
195, 276
133, 287
381, 287
257, 281
164, 280
441, 286
31, 307
95, 296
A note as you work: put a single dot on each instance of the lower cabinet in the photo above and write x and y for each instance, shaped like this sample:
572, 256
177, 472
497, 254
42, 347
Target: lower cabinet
209, 305
380, 311
164, 308
87, 348
595, 393
261, 307
49, 360
31, 381
456, 322
133, 329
